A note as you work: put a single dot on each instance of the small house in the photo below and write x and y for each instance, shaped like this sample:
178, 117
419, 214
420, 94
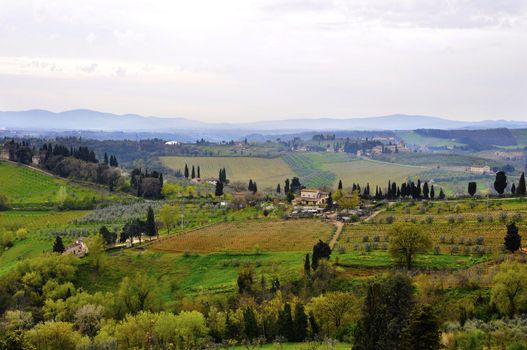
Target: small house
78, 248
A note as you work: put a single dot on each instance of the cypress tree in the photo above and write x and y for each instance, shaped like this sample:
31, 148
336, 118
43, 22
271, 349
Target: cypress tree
58, 246
285, 323
193, 174
150, 226
307, 266
340, 185
513, 189
422, 331
313, 325
472, 188
286, 186
105, 158
441, 194
278, 190
186, 171
250, 186
501, 182
199, 173
521, 190
249, 324
219, 189
300, 323
512, 239
426, 190
432, 192
329, 203
255, 187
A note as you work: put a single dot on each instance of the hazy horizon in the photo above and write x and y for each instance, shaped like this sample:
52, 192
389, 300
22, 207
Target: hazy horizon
248, 61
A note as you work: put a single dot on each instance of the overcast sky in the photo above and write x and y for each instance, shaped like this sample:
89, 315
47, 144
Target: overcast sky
258, 60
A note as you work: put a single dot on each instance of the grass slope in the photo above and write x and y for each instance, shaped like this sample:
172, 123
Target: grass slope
25, 186
266, 172
294, 235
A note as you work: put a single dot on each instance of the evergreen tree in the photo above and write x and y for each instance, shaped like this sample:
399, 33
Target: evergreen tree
340, 185
385, 312
500, 184
105, 158
199, 173
321, 250
432, 192
441, 194
513, 189
161, 181
193, 173
521, 190
313, 325
307, 266
250, 326
219, 189
58, 246
513, 239
150, 225
426, 191
278, 190
255, 187
250, 186
286, 186
285, 323
186, 171
472, 188
329, 204
422, 331
300, 323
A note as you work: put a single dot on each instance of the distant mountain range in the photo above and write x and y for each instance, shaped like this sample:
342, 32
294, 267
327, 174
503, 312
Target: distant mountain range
83, 119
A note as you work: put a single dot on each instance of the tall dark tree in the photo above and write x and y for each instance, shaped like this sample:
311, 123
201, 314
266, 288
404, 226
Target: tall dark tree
422, 331
432, 192
250, 186
340, 185
441, 194
193, 173
321, 250
313, 324
472, 188
278, 190
250, 326
219, 189
109, 237
426, 190
295, 185
521, 190
150, 225
186, 171
513, 239
285, 323
255, 187
513, 189
199, 172
329, 203
58, 245
500, 184
300, 323
385, 313
105, 158
307, 266
286, 186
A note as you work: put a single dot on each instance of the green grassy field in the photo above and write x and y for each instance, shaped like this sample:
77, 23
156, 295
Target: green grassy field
266, 172
24, 186
179, 275
413, 138
246, 236
40, 225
